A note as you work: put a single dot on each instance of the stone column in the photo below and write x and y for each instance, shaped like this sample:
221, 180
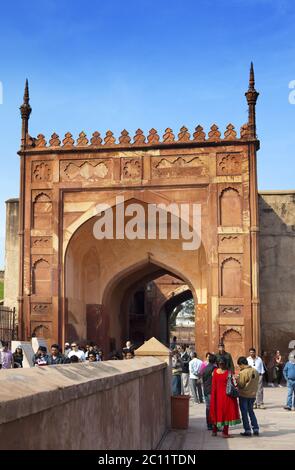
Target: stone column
254, 231
154, 348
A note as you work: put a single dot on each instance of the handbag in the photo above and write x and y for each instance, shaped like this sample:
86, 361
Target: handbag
231, 389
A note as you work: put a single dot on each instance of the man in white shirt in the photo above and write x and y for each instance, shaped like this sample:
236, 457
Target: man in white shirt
195, 379
256, 362
77, 352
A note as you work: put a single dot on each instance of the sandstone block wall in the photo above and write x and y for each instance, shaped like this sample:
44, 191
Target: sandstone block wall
110, 405
277, 269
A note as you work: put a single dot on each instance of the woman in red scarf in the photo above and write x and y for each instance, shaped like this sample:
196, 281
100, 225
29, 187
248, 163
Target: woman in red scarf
224, 411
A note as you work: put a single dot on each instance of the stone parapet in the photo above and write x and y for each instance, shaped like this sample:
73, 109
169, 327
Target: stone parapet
84, 406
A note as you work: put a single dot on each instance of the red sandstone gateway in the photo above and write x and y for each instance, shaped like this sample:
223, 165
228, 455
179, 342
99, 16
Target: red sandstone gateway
73, 286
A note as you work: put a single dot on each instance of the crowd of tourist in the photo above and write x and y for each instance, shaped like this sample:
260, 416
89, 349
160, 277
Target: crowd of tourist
213, 381
230, 396
72, 353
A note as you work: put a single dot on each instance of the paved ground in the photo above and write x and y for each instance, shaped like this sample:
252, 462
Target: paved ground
277, 429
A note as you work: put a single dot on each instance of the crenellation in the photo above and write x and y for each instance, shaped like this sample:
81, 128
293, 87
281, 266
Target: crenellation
139, 139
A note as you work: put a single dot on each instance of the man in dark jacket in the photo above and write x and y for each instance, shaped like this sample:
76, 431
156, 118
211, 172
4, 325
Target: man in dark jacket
206, 375
55, 357
222, 353
184, 359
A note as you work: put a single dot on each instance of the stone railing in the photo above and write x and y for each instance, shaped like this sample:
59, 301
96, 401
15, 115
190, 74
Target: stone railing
106, 405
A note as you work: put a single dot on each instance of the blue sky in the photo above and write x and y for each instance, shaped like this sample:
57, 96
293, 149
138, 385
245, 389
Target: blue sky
95, 65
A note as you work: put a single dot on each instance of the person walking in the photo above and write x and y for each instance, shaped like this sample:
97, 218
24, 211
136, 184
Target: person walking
195, 378
229, 363
184, 359
224, 410
206, 374
277, 369
176, 373
289, 374
248, 380
256, 362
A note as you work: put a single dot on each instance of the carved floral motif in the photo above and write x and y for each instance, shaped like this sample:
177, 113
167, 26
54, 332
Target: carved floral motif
230, 310
229, 164
131, 168
41, 308
42, 171
41, 242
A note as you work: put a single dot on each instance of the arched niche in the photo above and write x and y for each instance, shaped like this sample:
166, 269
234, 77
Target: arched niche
231, 278
42, 212
230, 208
41, 278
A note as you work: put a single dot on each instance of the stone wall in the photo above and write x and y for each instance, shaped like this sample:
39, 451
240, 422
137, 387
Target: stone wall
11, 254
277, 269
110, 405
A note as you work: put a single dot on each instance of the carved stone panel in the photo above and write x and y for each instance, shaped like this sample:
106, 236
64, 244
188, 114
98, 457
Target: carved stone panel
41, 171
231, 243
229, 164
188, 166
41, 245
41, 309
131, 168
85, 170
231, 310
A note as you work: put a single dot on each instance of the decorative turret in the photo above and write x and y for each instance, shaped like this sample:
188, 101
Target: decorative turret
25, 111
251, 96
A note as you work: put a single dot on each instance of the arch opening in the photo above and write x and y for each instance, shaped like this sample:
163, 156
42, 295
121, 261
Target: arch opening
116, 290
